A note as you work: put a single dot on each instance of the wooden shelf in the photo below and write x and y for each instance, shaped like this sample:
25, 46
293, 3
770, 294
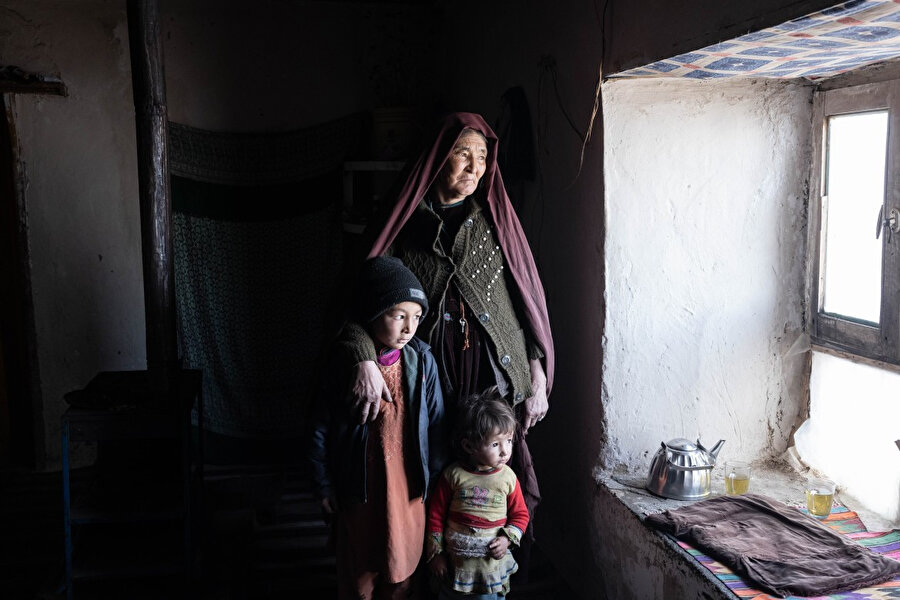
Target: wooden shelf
54, 88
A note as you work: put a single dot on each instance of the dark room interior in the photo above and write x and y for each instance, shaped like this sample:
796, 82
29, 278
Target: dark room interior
185, 187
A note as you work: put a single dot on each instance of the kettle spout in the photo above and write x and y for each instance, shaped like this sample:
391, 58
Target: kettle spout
715, 449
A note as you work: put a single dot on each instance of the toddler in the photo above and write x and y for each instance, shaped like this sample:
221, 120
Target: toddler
477, 510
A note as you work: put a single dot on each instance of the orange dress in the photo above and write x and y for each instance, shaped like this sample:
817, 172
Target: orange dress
385, 534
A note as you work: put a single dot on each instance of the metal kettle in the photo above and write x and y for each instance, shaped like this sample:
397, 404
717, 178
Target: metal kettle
682, 470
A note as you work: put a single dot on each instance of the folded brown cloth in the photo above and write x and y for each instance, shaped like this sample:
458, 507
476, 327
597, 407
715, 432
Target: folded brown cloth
775, 548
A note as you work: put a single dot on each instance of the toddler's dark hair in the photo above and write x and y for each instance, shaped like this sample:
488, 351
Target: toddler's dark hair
480, 415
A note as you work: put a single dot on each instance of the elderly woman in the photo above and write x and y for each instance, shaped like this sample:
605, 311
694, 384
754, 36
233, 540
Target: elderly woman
452, 224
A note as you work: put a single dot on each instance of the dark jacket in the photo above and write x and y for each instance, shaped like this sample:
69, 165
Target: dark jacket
338, 446
478, 266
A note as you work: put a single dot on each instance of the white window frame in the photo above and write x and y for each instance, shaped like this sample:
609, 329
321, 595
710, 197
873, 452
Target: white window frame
881, 343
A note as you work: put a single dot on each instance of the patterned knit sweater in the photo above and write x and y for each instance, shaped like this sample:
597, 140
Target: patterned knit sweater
477, 266
478, 499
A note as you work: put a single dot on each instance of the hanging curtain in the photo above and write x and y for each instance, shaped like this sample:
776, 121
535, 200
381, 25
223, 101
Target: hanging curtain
257, 239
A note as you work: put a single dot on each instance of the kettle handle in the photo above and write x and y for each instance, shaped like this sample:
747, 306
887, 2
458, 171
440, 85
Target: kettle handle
665, 452
677, 467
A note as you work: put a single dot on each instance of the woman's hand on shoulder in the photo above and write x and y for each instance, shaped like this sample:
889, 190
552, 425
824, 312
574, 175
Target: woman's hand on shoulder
367, 391
537, 406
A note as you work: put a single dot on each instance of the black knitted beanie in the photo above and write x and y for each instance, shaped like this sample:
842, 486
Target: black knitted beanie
385, 281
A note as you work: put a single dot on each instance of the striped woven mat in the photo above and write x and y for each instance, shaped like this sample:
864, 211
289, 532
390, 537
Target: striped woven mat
842, 520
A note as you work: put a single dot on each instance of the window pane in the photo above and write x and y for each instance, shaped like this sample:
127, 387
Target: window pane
855, 189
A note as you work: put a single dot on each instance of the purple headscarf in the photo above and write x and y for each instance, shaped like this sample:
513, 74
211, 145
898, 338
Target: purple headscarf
509, 231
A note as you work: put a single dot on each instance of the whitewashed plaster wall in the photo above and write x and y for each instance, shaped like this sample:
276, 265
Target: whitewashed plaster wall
705, 189
78, 164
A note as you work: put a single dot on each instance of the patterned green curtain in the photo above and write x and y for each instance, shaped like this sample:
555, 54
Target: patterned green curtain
257, 257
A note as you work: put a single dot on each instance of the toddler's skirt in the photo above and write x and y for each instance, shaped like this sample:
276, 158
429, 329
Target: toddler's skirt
474, 571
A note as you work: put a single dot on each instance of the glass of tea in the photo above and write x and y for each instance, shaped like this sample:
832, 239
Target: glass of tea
737, 477
819, 497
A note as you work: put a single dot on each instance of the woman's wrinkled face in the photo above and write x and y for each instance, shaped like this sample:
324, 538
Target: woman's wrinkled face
463, 170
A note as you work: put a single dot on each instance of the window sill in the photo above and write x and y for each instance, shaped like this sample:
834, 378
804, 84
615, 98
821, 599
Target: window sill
823, 347
776, 480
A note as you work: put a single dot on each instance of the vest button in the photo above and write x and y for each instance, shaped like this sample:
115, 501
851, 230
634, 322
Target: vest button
468, 223
505, 360
484, 317
518, 396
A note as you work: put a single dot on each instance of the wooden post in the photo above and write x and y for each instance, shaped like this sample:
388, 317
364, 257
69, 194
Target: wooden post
151, 118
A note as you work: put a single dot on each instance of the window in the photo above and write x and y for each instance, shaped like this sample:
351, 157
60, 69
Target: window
856, 296
856, 178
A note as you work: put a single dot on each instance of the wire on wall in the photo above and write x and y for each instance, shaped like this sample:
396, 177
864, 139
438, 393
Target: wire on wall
548, 71
601, 15
549, 76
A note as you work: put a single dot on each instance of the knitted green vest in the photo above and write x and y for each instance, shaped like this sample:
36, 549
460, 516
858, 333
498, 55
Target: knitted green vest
476, 261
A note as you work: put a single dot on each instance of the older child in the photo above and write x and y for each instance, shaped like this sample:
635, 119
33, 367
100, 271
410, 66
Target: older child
477, 510
374, 477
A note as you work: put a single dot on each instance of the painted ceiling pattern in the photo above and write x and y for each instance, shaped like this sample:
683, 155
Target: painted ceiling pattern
844, 37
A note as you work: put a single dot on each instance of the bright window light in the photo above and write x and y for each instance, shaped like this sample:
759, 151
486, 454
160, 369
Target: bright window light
854, 184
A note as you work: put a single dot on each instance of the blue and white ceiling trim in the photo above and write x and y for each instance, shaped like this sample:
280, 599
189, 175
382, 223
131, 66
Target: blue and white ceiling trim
822, 44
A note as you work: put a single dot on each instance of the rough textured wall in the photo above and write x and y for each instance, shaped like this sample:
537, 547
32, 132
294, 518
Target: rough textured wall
78, 161
705, 252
